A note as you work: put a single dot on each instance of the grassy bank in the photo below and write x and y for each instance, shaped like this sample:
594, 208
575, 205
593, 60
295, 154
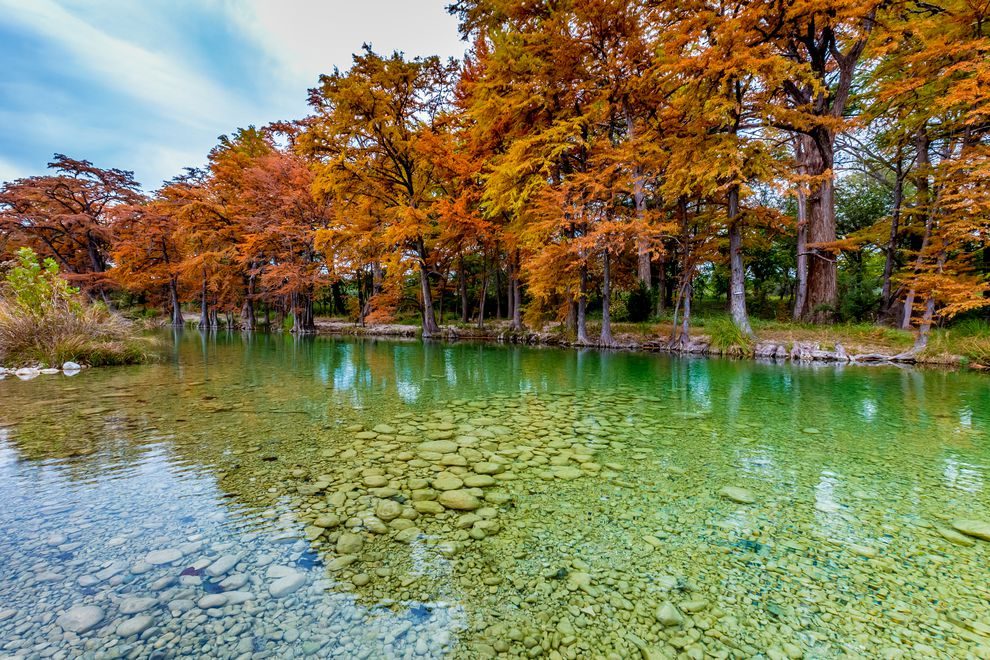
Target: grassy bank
45, 322
966, 343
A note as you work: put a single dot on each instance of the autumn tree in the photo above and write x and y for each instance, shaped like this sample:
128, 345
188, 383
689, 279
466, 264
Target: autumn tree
367, 131
280, 221
928, 82
68, 215
147, 253
823, 43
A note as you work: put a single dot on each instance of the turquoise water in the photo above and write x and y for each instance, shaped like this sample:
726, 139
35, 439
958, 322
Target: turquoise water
267, 496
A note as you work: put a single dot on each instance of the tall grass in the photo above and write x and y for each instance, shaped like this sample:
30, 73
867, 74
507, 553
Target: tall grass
44, 321
968, 338
92, 336
727, 337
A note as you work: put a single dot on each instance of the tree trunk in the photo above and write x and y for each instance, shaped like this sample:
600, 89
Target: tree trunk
643, 264
309, 317
921, 341
362, 303
926, 320
99, 267
516, 302
801, 288
443, 293
204, 307
606, 338
247, 315
891, 251
430, 328
484, 290
337, 299
822, 288
498, 282
582, 306
687, 272
685, 338
294, 311
509, 293
639, 201
661, 283
737, 280
173, 292
924, 161
462, 276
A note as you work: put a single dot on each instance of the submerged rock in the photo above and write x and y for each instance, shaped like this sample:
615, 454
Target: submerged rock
953, 536
222, 565
135, 625
327, 520
137, 604
212, 600
977, 528
461, 500
166, 556
438, 447
81, 618
447, 482
668, 615
408, 535
388, 510
288, 584
736, 494
349, 544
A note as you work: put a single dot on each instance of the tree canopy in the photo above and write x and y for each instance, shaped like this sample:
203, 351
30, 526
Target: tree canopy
821, 160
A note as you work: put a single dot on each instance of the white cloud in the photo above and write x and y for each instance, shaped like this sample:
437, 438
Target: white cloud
164, 162
10, 170
157, 79
308, 38
141, 95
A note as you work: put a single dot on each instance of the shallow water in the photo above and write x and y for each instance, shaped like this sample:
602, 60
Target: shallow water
175, 503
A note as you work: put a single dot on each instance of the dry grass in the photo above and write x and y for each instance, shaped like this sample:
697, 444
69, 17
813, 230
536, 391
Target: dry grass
62, 331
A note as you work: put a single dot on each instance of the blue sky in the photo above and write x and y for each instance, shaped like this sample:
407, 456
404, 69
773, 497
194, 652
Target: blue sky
149, 85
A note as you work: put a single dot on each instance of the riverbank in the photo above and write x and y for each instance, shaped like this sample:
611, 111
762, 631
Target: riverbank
775, 341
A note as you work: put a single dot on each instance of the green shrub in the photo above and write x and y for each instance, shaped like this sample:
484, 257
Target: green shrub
618, 309
35, 287
639, 304
44, 321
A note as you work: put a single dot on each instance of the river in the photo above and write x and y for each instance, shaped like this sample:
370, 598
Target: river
270, 496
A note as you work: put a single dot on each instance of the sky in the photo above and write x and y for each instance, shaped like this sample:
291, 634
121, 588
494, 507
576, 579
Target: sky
149, 85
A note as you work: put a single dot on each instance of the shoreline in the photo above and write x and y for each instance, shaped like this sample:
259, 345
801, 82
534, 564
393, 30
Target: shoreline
763, 350
498, 332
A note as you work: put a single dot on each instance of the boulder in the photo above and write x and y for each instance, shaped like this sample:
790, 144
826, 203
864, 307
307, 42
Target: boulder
736, 494
461, 500
976, 528
81, 618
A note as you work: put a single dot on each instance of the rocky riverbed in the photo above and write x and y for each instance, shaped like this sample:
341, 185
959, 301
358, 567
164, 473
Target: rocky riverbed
561, 527
225, 511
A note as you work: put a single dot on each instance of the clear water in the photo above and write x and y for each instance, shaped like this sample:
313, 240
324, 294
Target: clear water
603, 531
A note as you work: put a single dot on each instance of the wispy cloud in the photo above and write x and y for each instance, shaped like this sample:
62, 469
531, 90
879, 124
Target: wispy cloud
10, 170
308, 38
157, 79
149, 85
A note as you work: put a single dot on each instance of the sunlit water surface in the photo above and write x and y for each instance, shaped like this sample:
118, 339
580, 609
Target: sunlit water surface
268, 496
